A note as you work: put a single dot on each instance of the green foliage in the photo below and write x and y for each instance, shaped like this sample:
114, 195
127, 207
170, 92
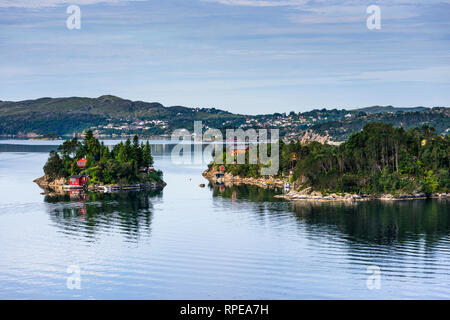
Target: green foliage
430, 182
54, 167
64, 116
147, 159
119, 165
379, 159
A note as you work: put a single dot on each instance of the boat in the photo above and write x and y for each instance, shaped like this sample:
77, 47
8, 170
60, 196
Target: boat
287, 186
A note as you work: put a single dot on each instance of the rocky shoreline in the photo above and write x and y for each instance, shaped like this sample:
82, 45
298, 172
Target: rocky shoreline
229, 180
308, 194
318, 196
58, 186
44, 183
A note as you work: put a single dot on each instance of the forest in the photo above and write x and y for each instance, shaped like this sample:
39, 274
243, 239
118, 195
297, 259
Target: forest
119, 165
378, 159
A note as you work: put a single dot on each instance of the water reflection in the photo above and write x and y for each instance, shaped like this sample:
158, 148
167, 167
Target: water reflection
385, 223
212, 242
370, 222
89, 213
245, 192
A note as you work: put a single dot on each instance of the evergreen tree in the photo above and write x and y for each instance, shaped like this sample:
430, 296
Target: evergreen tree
378, 159
137, 151
54, 166
147, 159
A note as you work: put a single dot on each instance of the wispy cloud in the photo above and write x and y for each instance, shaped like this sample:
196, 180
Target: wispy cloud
338, 11
429, 75
53, 3
324, 3
262, 54
260, 3
346, 13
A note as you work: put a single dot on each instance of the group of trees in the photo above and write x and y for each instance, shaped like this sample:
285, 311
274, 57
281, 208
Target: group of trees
340, 129
120, 164
378, 159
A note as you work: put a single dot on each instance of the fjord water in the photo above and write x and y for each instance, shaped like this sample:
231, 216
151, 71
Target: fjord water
187, 242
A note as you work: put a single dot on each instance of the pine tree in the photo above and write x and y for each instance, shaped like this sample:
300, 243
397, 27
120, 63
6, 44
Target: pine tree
54, 166
147, 159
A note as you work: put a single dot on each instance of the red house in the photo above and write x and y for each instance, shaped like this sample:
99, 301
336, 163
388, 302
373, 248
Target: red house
81, 163
78, 180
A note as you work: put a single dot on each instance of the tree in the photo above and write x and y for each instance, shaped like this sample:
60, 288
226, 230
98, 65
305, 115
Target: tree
378, 159
54, 166
430, 182
120, 165
137, 151
69, 147
147, 159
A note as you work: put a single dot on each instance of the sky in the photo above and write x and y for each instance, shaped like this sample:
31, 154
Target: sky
244, 56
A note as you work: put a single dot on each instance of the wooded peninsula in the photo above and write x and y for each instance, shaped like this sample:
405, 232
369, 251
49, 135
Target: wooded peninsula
380, 159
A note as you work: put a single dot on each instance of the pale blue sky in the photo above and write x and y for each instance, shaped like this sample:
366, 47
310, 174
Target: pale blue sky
246, 56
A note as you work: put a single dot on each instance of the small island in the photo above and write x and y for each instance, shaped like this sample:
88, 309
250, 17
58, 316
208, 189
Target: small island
90, 165
379, 162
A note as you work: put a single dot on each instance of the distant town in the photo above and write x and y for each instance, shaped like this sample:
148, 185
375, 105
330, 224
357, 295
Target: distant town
113, 117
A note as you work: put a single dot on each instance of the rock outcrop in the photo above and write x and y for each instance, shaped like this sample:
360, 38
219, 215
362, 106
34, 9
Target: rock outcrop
45, 183
310, 135
229, 179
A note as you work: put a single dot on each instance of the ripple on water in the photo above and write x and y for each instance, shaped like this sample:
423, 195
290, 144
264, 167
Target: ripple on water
203, 243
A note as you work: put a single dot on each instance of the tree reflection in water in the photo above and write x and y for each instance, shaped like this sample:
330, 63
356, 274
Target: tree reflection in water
367, 222
380, 222
89, 212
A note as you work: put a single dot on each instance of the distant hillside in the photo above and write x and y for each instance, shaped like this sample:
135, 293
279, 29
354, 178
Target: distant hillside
384, 109
111, 116
340, 130
64, 116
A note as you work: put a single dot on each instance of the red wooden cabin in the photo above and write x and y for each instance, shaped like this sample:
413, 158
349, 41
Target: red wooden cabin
78, 180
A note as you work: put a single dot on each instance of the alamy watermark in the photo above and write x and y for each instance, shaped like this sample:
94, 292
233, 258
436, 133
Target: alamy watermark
74, 20
374, 19
373, 281
74, 279
238, 142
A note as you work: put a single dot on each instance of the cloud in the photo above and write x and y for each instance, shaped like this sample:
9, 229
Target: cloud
339, 11
350, 13
53, 3
430, 75
323, 3
260, 3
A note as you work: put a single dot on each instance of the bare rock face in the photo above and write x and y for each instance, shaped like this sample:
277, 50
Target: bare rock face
43, 182
310, 136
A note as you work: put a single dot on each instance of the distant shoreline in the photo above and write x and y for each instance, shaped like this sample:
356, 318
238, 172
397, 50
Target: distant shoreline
66, 137
308, 194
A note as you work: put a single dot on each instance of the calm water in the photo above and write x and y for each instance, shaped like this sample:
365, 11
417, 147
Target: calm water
188, 242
